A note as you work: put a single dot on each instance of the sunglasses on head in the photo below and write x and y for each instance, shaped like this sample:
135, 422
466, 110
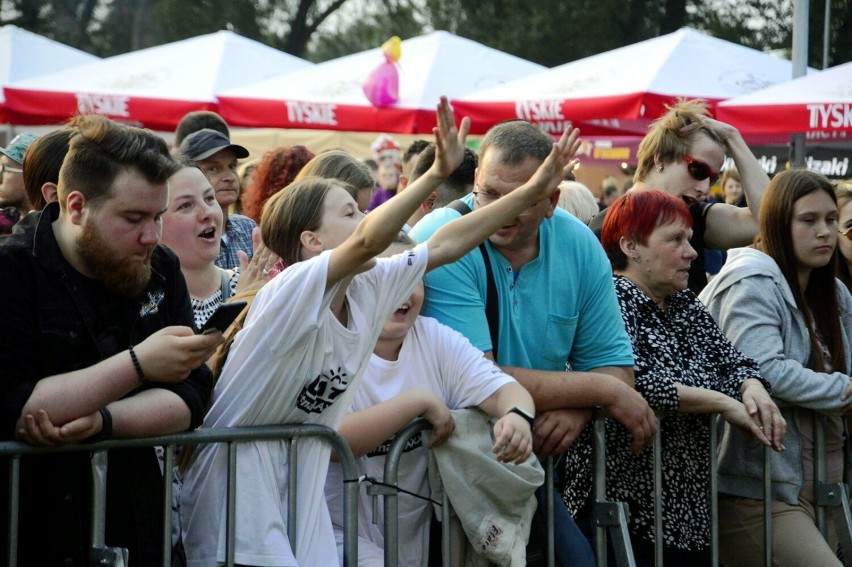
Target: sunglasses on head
699, 170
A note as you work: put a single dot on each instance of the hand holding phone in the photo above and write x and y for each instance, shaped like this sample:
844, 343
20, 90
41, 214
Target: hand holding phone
223, 317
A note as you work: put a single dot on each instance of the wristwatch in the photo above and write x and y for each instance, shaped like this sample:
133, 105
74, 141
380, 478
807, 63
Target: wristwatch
524, 414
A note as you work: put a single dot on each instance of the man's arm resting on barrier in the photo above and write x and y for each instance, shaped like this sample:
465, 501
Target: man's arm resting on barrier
150, 413
568, 398
168, 355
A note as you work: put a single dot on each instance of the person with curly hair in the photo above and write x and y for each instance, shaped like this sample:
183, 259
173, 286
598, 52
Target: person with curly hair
276, 169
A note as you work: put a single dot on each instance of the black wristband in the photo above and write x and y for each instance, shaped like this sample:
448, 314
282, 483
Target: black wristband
137, 366
106, 427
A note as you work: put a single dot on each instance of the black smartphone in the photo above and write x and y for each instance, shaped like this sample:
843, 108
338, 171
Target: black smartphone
223, 316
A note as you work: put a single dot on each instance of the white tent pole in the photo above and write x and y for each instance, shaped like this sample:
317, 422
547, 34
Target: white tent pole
826, 35
800, 62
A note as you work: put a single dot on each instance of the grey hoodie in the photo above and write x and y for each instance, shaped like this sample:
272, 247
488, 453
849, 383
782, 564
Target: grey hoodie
754, 306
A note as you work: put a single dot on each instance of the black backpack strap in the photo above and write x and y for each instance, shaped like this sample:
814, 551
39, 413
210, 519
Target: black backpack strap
459, 206
492, 306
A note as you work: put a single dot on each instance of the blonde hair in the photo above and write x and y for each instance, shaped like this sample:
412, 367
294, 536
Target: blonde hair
671, 135
341, 165
576, 198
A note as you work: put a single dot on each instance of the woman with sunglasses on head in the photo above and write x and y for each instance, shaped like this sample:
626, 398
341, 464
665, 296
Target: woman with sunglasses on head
780, 304
682, 155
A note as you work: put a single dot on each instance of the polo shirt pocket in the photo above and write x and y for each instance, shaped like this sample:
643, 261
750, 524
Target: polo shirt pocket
558, 337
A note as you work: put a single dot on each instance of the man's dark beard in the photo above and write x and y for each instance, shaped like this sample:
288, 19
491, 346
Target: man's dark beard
127, 277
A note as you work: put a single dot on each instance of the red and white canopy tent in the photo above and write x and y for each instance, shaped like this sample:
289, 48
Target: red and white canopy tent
151, 87
623, 90
329, 96
819, 105
24, 55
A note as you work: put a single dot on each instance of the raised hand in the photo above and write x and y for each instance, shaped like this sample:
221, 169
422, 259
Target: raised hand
557, 165
259, 270
449, 140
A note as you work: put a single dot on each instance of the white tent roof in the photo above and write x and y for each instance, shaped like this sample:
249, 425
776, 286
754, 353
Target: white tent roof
632, 83
24, 55
431, 65
191, 71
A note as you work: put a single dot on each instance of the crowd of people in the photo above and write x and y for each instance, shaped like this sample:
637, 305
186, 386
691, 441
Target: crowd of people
489, 293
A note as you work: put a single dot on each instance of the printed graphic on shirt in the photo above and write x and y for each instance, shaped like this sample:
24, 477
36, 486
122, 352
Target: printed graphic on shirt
382, 450
151, 306
318, 396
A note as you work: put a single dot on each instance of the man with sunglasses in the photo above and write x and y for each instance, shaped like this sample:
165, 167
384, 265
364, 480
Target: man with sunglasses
682, 154
556, 309
14, 203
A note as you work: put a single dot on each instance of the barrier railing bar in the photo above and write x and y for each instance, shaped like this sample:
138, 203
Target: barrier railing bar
819, 471
599, 486
14, 508
231, 518
767, 506
168, 473
99, 471
548, 496
446, 547
714, 489
391, 477
292, 470
658, 494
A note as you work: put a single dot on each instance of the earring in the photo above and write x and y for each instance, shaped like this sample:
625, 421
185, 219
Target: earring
637, 258
660, 168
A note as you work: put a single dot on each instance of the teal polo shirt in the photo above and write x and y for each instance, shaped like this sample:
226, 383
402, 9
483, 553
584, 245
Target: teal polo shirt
560, 308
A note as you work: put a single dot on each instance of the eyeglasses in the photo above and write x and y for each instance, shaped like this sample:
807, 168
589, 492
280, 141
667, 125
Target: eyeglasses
699, 170
9, 169
486, 197
847, 233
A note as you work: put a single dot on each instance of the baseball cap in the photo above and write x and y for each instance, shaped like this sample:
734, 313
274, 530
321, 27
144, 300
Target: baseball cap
19, 144
204, 143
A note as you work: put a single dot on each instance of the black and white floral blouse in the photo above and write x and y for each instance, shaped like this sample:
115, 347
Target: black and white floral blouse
682, 345
204, 308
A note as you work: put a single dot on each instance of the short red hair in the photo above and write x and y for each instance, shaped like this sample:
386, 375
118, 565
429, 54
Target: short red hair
634, 216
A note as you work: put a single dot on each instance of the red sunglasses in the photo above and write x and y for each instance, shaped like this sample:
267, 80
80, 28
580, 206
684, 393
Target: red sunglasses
699, 170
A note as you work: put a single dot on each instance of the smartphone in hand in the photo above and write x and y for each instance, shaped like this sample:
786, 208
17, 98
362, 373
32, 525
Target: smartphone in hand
223, 317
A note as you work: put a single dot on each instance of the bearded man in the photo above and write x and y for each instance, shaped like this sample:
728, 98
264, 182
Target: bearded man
97, 342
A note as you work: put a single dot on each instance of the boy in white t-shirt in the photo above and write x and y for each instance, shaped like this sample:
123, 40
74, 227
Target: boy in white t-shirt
419, 367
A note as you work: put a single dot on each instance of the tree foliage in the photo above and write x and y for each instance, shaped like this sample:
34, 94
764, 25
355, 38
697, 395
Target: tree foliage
549, 32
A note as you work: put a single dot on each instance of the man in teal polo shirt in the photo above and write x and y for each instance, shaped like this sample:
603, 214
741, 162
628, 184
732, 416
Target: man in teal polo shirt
556, 302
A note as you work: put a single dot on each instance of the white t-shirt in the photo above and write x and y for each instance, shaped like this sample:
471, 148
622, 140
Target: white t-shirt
293, 362
435, 357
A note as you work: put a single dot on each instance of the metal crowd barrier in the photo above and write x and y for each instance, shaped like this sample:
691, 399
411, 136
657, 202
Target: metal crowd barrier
101, 555
611, 518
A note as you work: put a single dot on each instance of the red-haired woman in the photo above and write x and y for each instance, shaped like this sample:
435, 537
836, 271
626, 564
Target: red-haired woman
684, 364
276, 169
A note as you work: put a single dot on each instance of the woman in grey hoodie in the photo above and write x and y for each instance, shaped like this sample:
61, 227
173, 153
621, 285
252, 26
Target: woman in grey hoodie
780, 304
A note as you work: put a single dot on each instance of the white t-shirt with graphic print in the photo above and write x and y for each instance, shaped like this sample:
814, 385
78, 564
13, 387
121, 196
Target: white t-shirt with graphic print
293, 362
440, 359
